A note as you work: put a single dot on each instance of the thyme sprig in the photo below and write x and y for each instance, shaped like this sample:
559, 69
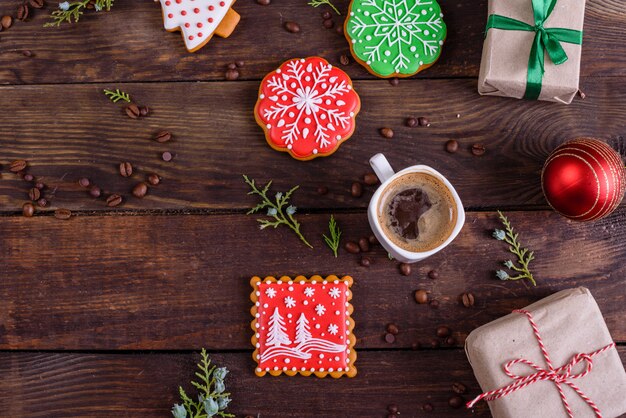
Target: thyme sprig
212, 396
280, 210
335, 235
317, 3
117, 95
524, 256
71, 12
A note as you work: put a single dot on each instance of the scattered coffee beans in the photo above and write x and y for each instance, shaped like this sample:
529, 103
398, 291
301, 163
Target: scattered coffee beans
386, 132
443, 331
322, 190
352, 247
452, 146
114, 200
456, 402
411, 122
467, 299
154, 179
42, 202
84, 182
339, 30
434, 343
232, 74
163, 136
95, 191
459, 388
144, 110
36, 4
422, 121
167, 156
22, 12
434, 304
428, 407
231, 66
39, 185
405, 269
370, 179
478, 149
28, 209
390, 338
394, 81
421, 296
28, 177
344, 60
263, 2
329, 23
373, 240
27, 53
6, 22
393, 329
326, 15
63, 214
365, 262
17, 165
34, 194
356, 190
292, 27
126, 169
364, 245
239, 63
451, 341
140, 190
433, 274
132, 111
392, 408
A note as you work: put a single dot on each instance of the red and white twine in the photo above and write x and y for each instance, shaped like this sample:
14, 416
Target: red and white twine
560, 376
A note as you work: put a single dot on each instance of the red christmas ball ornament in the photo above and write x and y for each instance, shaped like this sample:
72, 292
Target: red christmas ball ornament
584, 179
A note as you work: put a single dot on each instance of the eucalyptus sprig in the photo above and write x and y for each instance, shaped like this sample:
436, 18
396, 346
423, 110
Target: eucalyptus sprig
524, 256
335, 235
71, 12
212, 396
117, 95
279, 209
317, 3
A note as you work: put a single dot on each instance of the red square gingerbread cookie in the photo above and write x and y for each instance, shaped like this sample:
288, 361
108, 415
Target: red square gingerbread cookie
303, 326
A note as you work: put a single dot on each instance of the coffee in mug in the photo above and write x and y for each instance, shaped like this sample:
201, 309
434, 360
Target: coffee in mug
418, 212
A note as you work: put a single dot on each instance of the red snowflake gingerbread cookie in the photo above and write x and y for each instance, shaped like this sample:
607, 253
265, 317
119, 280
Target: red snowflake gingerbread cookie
307, 107
198, 20
303, 326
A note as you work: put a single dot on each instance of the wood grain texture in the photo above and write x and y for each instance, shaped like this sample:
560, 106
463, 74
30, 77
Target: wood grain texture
129, 44
67, 133
182, 282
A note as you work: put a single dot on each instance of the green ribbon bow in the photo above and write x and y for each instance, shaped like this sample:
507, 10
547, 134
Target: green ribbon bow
546, 40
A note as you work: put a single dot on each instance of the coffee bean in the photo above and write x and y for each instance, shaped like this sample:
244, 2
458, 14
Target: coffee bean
232, 74
63, 214
456, 402
364, 245
339, 30
428, 407
344, 59
443, 331
365, 262
467, 299
39, 185
84, 182
322, 190
459, 388
28, 209
405, 269
434, 343
393, 408
392, 416
22, 12
114, 200
95, 191
132, 111
126, 169
433, 274
263, 2
326, 15
36, 4
373, 240
21, 174
292, 27
27, 53
452, 146
422, 121
421, 296
29, 177
232, 66
478, 149
6, 22
144, 110
356, 190
18, 165
370, 179
328, 23
390, 338
42, 202
386, 132
434, 304
167, 156
154, 179
239, 63
416, 346
451, 341
393, 329
34, 194
411, 122
352, 247
162, 136
394, 81
140, 190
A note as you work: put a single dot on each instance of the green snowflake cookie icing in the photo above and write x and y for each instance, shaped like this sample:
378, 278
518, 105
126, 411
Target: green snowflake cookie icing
396, 36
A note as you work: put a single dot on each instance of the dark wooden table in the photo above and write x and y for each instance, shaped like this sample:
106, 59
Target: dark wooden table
103, 315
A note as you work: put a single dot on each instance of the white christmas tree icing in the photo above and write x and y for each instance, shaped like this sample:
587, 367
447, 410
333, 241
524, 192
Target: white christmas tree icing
277, 334
303, 333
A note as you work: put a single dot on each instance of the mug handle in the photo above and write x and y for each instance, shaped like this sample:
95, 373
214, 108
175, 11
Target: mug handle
381, 167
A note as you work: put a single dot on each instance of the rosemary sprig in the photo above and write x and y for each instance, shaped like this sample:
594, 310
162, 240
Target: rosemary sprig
280, 209
71, 12
317, 3
524, 256
335, 235
117, 95
212, 396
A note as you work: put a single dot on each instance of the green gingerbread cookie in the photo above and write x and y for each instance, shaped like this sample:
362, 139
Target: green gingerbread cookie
395, 38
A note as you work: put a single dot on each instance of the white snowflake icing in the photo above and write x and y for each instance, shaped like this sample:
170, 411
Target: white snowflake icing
270, 292
290, 302
309, 292
334, 292
333, 329
317, 103
320, 309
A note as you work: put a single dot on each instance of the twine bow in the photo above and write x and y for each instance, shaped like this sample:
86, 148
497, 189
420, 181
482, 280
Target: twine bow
560, 376
546, 40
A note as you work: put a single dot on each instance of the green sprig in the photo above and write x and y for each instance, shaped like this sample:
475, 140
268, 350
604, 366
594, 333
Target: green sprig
71, 12
280, 209
117, 95
212, 396
524, 256
335, 235
317, 3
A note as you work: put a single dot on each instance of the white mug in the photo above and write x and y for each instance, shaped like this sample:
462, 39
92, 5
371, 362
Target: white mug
386, 175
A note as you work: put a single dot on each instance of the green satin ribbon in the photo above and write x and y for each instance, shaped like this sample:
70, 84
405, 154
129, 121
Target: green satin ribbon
546, 40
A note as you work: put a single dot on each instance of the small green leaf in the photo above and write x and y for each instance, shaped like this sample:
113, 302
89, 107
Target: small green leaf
524, 256
117, 95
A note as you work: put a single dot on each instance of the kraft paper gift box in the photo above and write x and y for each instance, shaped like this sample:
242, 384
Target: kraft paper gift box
570, 325
509, 53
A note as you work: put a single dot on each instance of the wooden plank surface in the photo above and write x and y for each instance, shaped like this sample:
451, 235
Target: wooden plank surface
129, 44
181, 282
67, 133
